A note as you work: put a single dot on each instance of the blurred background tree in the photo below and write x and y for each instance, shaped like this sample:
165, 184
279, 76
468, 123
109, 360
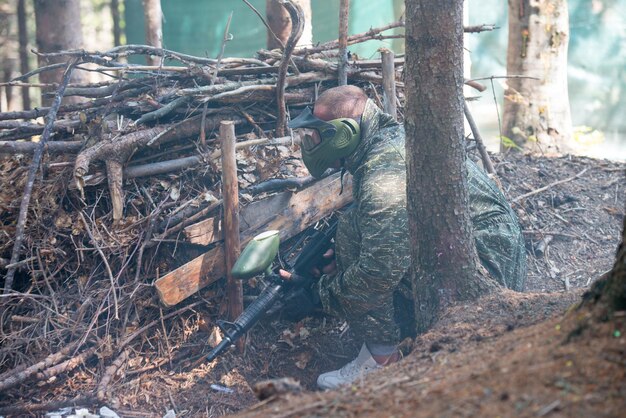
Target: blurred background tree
597, 49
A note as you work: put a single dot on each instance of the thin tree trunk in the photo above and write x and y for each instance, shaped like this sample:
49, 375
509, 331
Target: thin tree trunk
344, 15
7, 74
23, 42
444, 261
536, 108
58, 28
280, 23
153, 27
117, 29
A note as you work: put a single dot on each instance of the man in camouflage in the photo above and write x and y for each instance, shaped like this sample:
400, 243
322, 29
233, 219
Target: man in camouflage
370, 286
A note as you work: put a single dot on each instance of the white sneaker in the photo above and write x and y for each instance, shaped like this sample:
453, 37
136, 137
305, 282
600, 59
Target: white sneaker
359, 367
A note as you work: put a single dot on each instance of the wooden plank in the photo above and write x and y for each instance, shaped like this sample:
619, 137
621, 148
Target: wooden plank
254, 215
293, 212
204, 232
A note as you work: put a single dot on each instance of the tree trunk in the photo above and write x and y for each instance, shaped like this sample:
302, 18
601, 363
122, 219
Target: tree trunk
444, 261
58, 28
23, 47
280, 23
153, 27
608, 294
117, 28
536, 107
7, 57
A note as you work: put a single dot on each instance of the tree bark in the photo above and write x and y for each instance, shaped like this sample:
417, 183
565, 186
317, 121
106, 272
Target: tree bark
153, 27
117, 28
608, 294
230, 193
344, 15
58, 28
23, 47
536, 108
280, 23
444, 262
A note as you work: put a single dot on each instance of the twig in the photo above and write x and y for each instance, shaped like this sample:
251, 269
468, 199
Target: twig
34, 167
544, 188
561, 234
480, 28
480, 145
20, 263
163, 111
549, 408
104, 260
67, 365
273, 185
109, 374
21, 410
267, 25
370, 34
188, 220
344, 13
227, 37
494, 77
259, 131
49, 361
127, 50
39, 70
143, 329
297, 27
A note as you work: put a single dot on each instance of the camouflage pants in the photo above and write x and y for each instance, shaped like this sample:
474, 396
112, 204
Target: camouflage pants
501, 250
373, 319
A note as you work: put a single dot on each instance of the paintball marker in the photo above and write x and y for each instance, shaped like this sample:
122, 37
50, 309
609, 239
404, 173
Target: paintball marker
257, 258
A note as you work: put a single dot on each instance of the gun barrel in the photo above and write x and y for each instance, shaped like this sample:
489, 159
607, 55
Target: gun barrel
248, 318
223, 345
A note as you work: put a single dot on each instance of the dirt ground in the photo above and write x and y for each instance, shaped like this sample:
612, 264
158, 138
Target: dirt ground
510, 354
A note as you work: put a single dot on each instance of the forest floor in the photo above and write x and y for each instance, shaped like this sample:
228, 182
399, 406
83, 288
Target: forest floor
509, 354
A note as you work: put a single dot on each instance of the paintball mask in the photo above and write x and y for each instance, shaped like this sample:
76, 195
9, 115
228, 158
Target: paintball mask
339, 138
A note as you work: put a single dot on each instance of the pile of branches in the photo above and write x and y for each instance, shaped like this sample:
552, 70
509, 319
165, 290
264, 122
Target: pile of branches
93, 200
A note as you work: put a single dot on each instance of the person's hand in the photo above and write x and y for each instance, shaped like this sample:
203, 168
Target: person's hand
329, 265
302, 300
292, 277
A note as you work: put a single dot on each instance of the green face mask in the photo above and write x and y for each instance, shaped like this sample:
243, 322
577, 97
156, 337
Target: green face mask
339, 139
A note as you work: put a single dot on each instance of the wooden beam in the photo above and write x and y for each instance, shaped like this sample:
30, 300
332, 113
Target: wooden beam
288, 212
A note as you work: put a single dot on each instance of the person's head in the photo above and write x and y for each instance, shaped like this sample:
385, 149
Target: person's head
332, 129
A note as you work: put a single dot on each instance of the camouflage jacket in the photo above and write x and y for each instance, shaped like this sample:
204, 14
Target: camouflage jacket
374, 256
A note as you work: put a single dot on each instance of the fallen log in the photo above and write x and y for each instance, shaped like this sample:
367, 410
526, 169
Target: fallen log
287, 212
